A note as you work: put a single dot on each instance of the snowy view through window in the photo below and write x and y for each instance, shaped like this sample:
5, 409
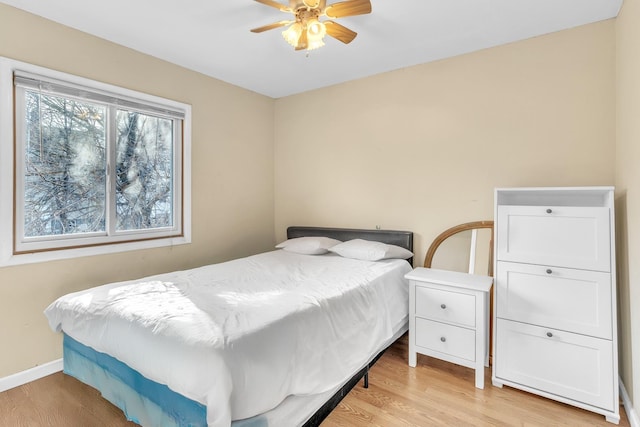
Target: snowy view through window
70, 164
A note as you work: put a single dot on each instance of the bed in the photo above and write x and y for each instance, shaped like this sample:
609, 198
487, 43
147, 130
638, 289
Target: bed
275, 339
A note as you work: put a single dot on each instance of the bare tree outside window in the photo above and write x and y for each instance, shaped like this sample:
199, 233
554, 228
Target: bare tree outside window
65, 180
143, 171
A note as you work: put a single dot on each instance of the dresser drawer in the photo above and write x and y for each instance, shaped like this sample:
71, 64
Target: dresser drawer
443, 338
445, 306
573, 237
557, 362
567, 299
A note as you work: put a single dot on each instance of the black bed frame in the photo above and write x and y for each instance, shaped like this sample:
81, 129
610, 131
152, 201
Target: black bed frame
403, 239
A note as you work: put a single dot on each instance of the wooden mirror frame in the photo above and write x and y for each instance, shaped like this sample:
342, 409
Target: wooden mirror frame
428, 259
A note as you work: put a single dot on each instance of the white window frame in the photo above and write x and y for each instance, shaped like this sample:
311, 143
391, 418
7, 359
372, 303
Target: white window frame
47, 250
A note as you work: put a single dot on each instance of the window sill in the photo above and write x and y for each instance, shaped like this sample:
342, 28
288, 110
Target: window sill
9, 259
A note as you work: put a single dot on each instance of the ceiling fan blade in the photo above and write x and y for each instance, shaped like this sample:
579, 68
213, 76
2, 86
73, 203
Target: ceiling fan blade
311, 3
275, 4
340, 32
271, 26
348, 8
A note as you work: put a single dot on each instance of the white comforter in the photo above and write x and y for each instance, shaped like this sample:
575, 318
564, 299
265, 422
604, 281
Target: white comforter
241, 336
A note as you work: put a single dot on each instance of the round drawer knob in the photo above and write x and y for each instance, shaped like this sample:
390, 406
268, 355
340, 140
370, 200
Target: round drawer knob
549, 271
443, 339
443, 306
549, 334
549, 211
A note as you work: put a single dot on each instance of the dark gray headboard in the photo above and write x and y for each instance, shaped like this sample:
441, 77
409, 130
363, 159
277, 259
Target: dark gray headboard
403, 239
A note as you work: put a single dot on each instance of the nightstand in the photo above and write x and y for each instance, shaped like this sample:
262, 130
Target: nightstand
449, 318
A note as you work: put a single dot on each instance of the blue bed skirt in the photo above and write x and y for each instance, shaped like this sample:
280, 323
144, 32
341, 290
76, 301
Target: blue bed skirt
143, 401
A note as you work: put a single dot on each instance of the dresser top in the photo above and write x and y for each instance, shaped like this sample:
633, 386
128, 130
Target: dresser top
451, 278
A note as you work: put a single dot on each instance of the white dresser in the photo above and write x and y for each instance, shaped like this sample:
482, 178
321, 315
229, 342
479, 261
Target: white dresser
554, 296
449, 318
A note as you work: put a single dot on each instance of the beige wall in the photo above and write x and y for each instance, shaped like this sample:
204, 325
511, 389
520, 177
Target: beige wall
422, 148
628, 192
232, 173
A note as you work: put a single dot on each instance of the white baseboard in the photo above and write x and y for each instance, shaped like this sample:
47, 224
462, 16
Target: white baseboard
634, 421
29, 375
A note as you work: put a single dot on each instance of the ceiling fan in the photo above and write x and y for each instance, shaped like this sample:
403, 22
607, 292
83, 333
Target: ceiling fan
306, 31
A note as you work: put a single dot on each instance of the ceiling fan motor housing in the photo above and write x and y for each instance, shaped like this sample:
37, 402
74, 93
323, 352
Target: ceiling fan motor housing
304, 14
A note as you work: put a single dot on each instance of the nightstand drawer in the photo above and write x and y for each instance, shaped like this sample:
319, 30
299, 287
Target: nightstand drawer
446, 306
452, 340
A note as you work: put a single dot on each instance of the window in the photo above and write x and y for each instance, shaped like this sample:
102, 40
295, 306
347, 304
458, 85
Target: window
94, 166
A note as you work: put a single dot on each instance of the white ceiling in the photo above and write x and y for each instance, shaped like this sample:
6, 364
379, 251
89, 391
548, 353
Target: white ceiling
212, 36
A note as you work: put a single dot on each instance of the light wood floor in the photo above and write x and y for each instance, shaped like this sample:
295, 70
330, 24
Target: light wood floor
435, 393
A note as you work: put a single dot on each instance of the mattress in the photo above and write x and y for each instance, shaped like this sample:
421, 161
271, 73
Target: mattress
240, 337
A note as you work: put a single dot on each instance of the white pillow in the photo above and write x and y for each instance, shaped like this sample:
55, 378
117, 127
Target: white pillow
308, 245
368, 250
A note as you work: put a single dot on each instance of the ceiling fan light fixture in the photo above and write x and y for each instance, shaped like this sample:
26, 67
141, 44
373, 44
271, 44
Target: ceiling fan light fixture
292, 34
316, 31
315, 44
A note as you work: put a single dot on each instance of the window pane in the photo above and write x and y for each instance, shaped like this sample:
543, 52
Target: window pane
64, 178
144, 171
